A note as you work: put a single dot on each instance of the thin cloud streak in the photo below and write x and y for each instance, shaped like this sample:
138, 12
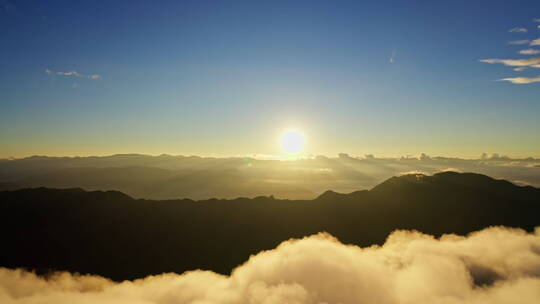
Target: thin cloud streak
518, 42
518, 30
73, 74
535, 42
393, 56
522, 80
529, 52
529, 62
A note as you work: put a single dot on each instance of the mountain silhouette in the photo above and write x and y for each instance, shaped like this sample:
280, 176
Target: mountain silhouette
111, 234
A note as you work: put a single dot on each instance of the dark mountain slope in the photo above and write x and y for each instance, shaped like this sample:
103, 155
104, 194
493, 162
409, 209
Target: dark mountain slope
111, 234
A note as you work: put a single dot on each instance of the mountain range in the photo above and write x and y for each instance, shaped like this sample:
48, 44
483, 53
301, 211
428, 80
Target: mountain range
172, 177
114, 235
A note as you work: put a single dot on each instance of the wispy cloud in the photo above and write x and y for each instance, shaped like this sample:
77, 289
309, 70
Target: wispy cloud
73, 74
529, 62
70, 73
529, 52
520, 65
521, 80
393, 56
518, 30
519, 42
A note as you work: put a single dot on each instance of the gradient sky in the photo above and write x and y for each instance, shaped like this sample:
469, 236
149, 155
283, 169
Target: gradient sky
224, 78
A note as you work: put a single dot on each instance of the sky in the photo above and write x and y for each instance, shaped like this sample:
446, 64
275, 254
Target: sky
226, 78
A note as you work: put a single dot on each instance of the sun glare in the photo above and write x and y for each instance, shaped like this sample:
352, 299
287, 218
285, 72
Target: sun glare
292, 142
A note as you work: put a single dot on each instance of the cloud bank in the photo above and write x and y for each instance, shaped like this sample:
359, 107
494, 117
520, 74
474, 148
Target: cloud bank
495, 265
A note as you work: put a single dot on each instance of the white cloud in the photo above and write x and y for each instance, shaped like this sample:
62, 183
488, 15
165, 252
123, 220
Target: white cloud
518, 30
536, 20
418, 173
522, 80
495, 265
535, 42
519, 42
520, 69
73, 74
70, 73
529, 52
529, 62
450, 169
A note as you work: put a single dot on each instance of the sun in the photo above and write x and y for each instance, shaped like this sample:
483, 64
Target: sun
292, 142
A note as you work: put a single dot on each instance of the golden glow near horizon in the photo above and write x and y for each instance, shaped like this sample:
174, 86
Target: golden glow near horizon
292, 142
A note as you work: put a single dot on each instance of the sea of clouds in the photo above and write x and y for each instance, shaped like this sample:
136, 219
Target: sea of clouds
495, 265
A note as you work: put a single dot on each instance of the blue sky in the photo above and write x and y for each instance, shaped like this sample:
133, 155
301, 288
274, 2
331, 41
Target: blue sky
226, 77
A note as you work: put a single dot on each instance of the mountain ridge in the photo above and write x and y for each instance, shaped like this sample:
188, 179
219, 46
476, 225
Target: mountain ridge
114, 235
199, 178
392, 182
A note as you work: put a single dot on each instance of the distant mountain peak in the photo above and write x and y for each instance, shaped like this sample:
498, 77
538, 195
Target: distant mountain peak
328, 194
444, 180
332, 195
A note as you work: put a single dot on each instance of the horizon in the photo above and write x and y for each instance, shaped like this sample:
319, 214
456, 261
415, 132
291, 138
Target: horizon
284, 157
399, 176
189, 176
